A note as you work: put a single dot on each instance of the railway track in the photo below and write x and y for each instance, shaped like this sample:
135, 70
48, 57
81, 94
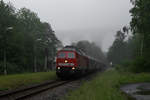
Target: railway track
27, 92
23, 93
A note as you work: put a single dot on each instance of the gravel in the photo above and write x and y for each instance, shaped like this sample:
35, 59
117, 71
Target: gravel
59, 93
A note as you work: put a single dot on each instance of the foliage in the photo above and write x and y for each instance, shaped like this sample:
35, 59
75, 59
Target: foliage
137, 65
140, 24
26, 43
136, 49
106, 86
124, 66
121, 49
140, 64
126, 56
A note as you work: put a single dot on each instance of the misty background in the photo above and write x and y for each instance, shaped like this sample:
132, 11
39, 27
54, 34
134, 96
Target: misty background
74, 20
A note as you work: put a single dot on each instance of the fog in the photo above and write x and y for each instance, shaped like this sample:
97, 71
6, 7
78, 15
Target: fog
74, 20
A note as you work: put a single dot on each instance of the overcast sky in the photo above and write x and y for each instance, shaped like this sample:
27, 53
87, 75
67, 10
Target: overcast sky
74, 20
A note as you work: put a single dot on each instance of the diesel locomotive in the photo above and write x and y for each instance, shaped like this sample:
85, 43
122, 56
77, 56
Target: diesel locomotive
71, 61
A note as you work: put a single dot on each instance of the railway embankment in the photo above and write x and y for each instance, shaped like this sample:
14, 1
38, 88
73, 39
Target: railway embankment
10, 82
107, 85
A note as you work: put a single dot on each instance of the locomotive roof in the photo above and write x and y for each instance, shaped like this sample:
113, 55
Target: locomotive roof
73, 48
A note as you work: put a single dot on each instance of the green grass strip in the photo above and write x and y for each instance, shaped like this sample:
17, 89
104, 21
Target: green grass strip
106, 86
15, 81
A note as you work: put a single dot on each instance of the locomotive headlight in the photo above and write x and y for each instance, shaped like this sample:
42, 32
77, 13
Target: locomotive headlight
73, 68
66, 61
58, 68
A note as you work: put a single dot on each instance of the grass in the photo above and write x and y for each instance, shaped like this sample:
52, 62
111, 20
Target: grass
15, 81
106, 86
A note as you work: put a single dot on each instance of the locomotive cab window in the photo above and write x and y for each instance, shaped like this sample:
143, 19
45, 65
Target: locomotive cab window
71, 55
61, 55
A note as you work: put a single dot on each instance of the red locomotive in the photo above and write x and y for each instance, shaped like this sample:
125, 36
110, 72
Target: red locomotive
72, 61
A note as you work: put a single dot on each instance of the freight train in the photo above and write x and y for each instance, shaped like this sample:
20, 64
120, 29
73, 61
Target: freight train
71, 61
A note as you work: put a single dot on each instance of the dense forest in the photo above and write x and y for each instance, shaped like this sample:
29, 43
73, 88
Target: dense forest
131, 52
26, 43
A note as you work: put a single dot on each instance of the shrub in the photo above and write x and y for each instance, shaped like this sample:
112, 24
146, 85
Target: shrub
124, 66
12, 68
140, 64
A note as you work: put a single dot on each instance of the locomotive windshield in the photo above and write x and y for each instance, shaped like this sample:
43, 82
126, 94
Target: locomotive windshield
71, 55
66, 55
62, 55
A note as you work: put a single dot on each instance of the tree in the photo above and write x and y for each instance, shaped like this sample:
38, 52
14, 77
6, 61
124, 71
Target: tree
28, 45
136, 48
31, 27
140, 24
50, 43
118, 51
43, 42
7, 21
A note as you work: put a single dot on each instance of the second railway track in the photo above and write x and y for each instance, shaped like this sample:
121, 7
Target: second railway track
32, 90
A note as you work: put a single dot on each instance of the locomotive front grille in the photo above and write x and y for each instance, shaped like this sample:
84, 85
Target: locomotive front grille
65, 68
66, 64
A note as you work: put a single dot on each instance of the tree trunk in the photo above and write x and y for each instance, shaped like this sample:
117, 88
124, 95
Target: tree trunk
46, 59
35, 59
142, 46
5, 62
35, 62
45, 65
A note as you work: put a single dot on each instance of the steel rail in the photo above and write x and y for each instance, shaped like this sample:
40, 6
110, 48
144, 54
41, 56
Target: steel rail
32, 90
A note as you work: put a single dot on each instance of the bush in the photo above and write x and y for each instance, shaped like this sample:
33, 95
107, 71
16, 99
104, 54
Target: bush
124, 66
140, 64
12, 68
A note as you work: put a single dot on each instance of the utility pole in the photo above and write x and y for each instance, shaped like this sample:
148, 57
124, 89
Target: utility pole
5, 50
35, 59
5, 62
142, 46
35, 54
46, 59
51, 58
